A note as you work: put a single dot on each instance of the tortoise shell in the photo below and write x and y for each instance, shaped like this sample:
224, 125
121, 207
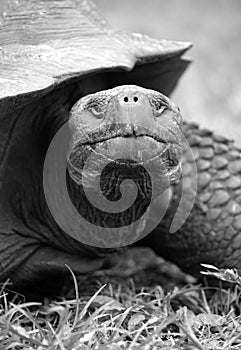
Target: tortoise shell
45, 44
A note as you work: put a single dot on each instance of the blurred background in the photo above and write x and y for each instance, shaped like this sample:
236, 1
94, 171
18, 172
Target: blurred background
210, 90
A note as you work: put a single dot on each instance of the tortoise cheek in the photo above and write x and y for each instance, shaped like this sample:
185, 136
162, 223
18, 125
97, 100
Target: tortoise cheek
82, 123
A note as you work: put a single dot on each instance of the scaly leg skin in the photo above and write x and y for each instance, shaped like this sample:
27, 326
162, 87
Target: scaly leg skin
212, 232
45, 271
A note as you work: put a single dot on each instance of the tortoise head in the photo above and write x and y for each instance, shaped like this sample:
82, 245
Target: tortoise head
125, 133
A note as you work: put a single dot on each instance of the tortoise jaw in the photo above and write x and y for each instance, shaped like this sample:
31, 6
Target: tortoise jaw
109, 132
159, 158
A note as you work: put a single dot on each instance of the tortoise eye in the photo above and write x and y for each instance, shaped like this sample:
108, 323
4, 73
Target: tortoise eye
96, 110
159, 106
96, 107
161, 109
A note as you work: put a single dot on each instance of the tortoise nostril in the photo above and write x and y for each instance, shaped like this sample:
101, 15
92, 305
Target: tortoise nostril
126, 99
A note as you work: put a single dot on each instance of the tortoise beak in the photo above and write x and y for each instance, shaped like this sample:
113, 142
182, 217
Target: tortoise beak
132, 157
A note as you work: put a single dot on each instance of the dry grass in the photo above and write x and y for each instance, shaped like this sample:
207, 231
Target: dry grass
121, 316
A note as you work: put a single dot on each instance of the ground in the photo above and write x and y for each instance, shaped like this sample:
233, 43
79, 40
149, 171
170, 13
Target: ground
123, 316
210, 91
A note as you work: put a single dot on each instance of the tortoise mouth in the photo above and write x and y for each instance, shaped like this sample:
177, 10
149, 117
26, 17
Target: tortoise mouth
109, 132
161, 152
127, 152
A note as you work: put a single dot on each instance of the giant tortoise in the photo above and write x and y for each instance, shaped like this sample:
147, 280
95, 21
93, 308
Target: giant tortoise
61, 64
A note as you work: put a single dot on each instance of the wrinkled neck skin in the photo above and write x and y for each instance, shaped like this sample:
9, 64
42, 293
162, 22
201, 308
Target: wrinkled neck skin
23, 207
26, 135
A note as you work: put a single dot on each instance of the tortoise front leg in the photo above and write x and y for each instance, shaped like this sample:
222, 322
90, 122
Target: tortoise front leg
45, 271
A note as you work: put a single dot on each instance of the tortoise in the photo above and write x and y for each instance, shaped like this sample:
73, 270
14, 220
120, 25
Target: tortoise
62, 63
